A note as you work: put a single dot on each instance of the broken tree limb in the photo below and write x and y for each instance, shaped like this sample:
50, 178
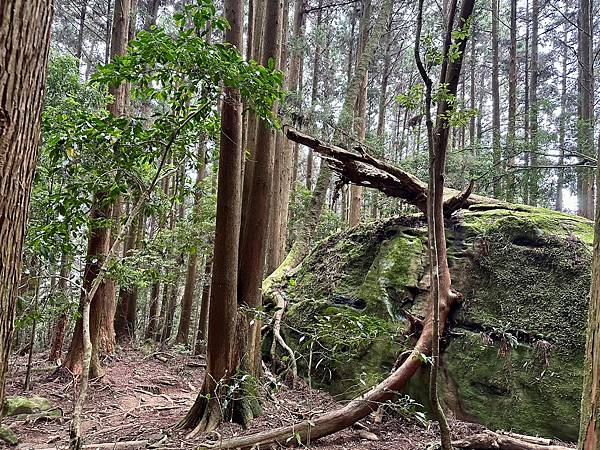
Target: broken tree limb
365, 170
490, 440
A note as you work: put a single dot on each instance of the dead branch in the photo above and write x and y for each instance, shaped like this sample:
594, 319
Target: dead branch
506, 441
363, 169
125, 445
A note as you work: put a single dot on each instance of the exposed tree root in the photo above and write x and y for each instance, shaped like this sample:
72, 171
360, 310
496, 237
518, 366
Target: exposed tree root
280, 305
355, 410
488, 440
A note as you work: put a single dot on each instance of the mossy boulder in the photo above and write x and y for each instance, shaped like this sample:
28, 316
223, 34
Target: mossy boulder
514, 347
17, 405
8, 436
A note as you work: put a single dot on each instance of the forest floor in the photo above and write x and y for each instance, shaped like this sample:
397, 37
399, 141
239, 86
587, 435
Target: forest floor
144, 394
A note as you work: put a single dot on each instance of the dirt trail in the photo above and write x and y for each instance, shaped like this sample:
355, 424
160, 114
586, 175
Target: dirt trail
143, 396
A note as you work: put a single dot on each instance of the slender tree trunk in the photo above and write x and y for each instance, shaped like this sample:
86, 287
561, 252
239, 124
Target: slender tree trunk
202, 335
206, 413
534, 174
187, 301
526, 109
560, 182
472, 105
80, 34
316, 73
496, 149
511, 147
356, 192
60, 325
102, 304
585, 136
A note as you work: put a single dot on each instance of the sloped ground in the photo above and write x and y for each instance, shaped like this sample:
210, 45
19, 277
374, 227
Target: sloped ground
142, 398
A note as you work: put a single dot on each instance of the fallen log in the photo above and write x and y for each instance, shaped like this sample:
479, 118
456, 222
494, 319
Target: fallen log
125, 445
488, 440
365, 170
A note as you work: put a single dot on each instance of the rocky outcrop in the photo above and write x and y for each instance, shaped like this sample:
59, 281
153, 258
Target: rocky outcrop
513, 351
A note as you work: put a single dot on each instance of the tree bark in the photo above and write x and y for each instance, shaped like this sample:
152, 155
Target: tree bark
534, 174
585, 83
60, 325
183, 330
560, 182
496, 149
511, 144
202, 334
206, 413
356, 191
102, 304
24, 44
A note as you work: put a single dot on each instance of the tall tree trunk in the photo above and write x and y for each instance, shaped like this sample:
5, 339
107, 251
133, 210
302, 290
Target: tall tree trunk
307, 228
356, 192
126, 310
316, 73
589, 428
585, 136
560, 182
254, 236
534, 174
496, 149
472, 105
206, 413
511, 147
281, 166
24, 44
526, 108
103, 302
183, 330
60, 325
80, 34
202, 334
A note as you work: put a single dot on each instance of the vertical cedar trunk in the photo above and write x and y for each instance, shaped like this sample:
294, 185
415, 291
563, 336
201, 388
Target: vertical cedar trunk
526, 109
98, 246
124, 326
187, 301
281, 165
80, 34
151, 14
356, 192
534, 174
511, 147
153, 302
206, 413
60, 325
589, 428
560, 181
202, 335
472, 104
258, 31
585, 83
310, 222
385, 75
496, 150
103, 303
24, 44
253, 239
316, 73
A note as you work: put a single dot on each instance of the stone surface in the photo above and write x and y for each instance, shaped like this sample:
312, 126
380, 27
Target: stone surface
514, 348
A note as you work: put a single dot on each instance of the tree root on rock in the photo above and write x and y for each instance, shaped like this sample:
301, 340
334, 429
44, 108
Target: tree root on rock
280, 305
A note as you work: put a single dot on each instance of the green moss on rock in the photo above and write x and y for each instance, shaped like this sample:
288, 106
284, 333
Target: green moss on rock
8, 436
524, 276
14, 406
